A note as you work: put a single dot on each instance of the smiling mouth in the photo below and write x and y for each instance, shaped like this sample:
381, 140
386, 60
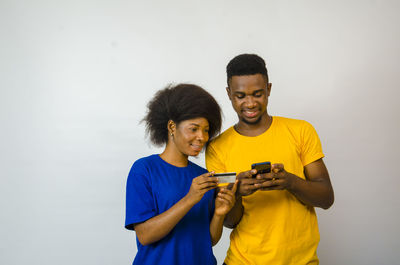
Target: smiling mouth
197, 147
250, 114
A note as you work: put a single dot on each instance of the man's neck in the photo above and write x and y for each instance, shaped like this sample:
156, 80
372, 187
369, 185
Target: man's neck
252, 130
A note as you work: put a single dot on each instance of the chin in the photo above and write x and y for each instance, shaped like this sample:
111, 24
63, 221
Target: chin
251, 122
192, 153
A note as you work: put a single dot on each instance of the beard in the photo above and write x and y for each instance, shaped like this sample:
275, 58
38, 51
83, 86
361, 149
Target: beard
251, 122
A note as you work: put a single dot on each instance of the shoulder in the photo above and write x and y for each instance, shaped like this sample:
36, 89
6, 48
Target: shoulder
290, 121
222, 139
196, 168
293, 124
142, 165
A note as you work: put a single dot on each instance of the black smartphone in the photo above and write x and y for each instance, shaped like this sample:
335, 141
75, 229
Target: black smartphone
263, 167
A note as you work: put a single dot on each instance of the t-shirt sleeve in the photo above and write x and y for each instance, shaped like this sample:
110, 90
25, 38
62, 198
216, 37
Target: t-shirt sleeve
139, 197
311, 149
214, 160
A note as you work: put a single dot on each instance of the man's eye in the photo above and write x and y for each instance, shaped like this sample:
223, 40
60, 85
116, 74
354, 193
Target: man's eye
257, 95
240, 96
193, 129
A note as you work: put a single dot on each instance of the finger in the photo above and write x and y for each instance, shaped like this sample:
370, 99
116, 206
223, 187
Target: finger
272, 188
264, 176
205, 190
251, 187
226, 196
275, 184
226, 191
277, 167
269, 184
251, 181
207, 185
222, 200
204, 179
247, 174
205, 175
265, 184
225, 199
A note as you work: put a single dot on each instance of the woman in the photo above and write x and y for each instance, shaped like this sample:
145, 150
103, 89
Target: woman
170, 201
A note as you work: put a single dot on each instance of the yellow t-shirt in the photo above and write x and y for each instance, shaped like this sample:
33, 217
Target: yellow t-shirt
276, 228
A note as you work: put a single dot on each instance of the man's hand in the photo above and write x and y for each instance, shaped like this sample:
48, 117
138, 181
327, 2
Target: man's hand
315, 190
278, 179
247, 184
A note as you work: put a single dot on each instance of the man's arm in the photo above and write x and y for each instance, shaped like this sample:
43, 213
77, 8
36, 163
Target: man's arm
316, 190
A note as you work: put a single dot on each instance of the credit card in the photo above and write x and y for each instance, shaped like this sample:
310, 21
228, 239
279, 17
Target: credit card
225, 178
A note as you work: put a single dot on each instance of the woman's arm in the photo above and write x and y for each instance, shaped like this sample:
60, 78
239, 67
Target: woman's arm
224, 202
157, 227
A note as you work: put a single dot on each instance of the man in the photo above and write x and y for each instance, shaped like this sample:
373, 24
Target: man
274, 219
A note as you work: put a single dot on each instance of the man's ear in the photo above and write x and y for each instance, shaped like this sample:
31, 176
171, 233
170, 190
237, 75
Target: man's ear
269, 86
228, 91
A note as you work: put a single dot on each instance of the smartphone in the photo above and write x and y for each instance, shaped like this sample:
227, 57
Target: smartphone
225, 178
262, 168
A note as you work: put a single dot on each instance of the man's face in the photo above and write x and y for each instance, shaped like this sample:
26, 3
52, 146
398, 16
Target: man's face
249, 96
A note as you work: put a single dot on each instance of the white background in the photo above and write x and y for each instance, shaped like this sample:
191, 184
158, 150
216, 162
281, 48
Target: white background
75, 77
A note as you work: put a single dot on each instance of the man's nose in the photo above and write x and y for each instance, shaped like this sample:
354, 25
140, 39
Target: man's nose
250, 102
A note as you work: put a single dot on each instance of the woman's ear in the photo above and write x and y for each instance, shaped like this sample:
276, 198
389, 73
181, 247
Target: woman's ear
171, 126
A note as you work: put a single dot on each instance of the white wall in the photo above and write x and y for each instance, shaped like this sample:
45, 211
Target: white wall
75, 77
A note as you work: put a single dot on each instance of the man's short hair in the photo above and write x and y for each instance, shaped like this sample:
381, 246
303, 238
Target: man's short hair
246, 64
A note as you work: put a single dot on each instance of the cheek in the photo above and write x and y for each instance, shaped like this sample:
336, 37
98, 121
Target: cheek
236, 104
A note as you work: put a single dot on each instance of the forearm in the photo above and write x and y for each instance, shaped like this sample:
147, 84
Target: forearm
235, 214
159, 226
316, 193
216, 227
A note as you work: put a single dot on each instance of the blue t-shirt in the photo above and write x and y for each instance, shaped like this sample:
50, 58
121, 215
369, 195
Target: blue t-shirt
153, 187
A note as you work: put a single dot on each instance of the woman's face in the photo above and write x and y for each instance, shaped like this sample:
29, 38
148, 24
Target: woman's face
191, 135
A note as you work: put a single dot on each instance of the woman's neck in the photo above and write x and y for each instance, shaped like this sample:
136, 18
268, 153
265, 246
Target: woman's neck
172, 156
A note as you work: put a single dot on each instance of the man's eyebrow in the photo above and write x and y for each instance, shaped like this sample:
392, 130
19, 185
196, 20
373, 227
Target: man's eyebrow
255, 91
259, 90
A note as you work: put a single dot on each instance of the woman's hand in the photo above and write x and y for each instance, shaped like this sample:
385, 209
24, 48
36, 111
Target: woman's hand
225, 200
200, 185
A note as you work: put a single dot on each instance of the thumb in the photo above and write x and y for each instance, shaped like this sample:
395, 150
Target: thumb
235, 186
277, 168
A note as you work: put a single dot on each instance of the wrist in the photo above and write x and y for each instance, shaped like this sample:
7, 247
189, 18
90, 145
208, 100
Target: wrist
219, 217
293, 187
188, 200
